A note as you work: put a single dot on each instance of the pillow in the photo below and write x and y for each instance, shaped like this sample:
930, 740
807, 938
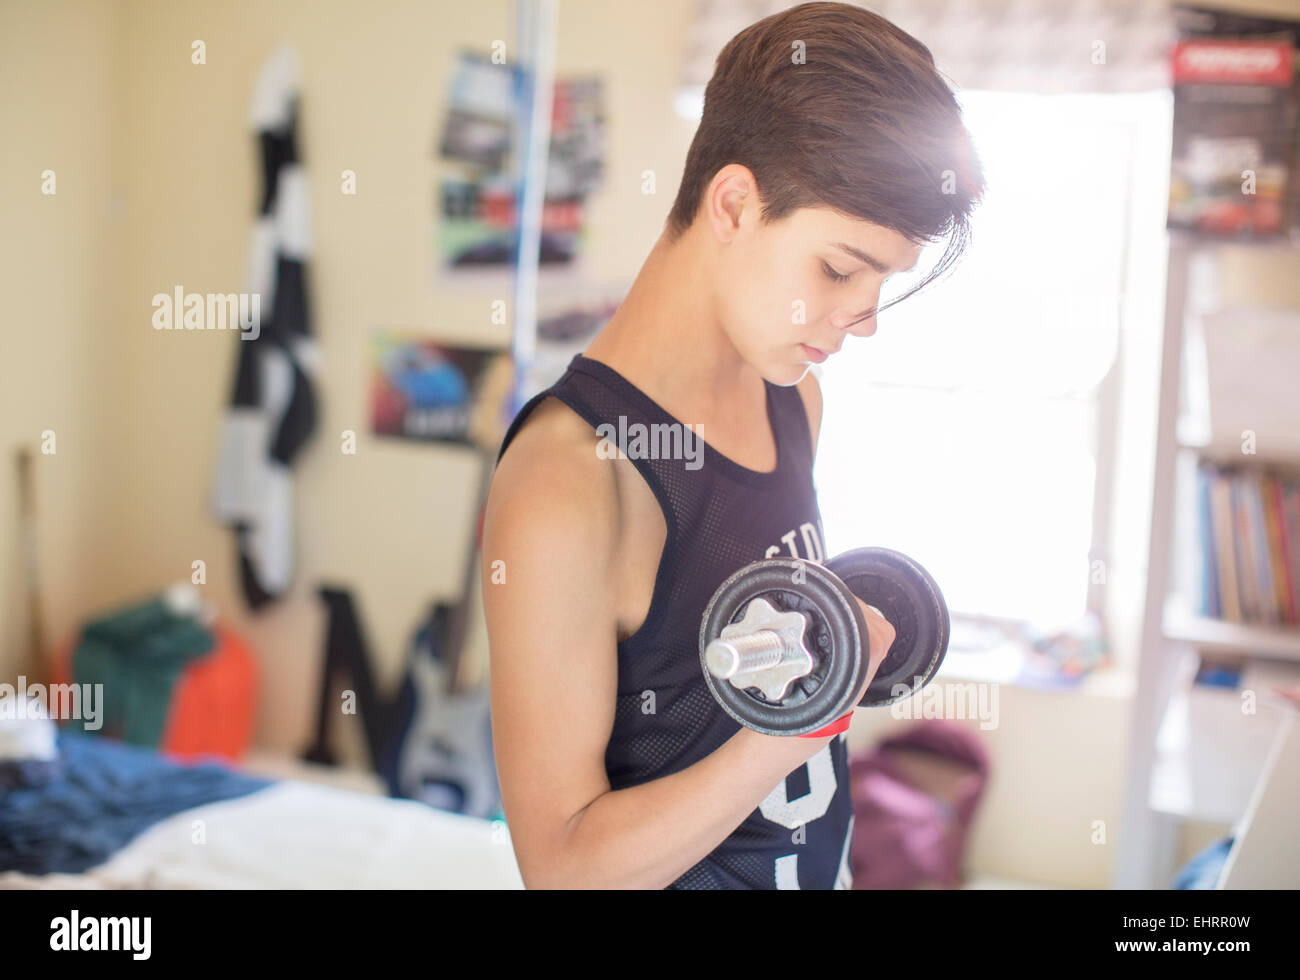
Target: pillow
29, 755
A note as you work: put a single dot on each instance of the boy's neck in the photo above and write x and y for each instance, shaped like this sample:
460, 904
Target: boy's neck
666, 339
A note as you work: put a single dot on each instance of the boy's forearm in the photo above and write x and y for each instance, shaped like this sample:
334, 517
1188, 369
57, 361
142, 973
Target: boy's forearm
647, 836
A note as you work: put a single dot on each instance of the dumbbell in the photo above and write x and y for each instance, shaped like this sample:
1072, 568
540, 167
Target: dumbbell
783, 643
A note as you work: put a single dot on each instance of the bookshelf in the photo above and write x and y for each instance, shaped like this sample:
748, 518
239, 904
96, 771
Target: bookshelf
1221, 637
1193, 754
1209, 755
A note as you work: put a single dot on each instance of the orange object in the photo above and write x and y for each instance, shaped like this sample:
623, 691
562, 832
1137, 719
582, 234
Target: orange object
213, 704
834, 728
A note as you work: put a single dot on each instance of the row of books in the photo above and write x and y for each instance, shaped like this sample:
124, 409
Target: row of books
1249, 544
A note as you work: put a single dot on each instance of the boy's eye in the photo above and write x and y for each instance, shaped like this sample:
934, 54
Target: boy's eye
833, 275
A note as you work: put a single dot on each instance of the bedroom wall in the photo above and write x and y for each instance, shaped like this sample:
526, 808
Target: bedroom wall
63, 366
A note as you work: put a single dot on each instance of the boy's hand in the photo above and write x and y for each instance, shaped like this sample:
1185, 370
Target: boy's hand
880, 637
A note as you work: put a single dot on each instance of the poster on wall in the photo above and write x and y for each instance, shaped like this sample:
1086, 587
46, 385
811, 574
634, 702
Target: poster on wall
476, 213
425, 391
567, 322
1233, 121
1236, 142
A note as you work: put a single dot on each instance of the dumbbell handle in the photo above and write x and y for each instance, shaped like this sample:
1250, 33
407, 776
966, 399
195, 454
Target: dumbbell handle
744, 654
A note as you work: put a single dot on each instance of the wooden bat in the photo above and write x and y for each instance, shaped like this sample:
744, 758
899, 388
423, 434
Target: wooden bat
27, 542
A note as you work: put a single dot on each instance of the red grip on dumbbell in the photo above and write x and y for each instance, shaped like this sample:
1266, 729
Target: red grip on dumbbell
834, 728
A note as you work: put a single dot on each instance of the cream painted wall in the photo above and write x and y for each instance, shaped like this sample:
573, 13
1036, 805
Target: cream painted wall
64, 365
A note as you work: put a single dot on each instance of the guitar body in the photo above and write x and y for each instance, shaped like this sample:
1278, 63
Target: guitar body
441, 750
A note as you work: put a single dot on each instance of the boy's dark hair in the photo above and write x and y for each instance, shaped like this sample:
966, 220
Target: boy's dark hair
867, 127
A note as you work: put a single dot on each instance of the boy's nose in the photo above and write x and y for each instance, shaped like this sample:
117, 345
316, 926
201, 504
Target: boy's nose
864, 328
858, 326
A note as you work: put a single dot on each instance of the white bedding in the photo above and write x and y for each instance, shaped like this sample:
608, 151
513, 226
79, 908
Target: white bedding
295, 834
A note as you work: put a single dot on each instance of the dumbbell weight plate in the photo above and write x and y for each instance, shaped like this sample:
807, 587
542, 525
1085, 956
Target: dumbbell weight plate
835, 635
910, 599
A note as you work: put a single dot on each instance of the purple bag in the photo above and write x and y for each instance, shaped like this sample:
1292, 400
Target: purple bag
914, 797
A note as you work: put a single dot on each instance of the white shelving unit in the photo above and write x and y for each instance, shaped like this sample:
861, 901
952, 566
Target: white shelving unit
1182, 765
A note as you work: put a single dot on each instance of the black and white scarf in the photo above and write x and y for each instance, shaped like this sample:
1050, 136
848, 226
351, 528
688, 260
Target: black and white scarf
272, 410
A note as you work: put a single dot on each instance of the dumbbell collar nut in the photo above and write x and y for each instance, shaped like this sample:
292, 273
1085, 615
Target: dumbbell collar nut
765, 650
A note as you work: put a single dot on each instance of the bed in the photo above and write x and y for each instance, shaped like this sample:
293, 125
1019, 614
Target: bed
126, 817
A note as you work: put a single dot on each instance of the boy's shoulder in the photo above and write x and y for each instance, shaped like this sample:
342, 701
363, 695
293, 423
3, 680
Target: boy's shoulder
552, 425
551, 470
555, 443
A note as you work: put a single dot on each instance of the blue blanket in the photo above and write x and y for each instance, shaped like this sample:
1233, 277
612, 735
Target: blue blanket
106, 795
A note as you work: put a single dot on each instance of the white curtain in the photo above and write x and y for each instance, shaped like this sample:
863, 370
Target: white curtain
1043, 46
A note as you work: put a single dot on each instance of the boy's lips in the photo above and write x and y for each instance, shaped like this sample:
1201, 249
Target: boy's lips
817, 354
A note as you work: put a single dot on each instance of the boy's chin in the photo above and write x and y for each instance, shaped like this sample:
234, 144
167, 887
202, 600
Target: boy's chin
786, 374
780, 366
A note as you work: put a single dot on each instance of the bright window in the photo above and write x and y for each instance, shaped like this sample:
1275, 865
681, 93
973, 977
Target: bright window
965, 432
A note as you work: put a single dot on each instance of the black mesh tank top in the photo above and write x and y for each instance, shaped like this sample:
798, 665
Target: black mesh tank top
719, 516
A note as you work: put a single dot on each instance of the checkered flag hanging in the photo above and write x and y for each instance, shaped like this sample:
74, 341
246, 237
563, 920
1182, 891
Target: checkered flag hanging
272, 411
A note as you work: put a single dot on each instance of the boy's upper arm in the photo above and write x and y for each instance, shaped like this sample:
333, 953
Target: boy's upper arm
549, 546
811, 392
